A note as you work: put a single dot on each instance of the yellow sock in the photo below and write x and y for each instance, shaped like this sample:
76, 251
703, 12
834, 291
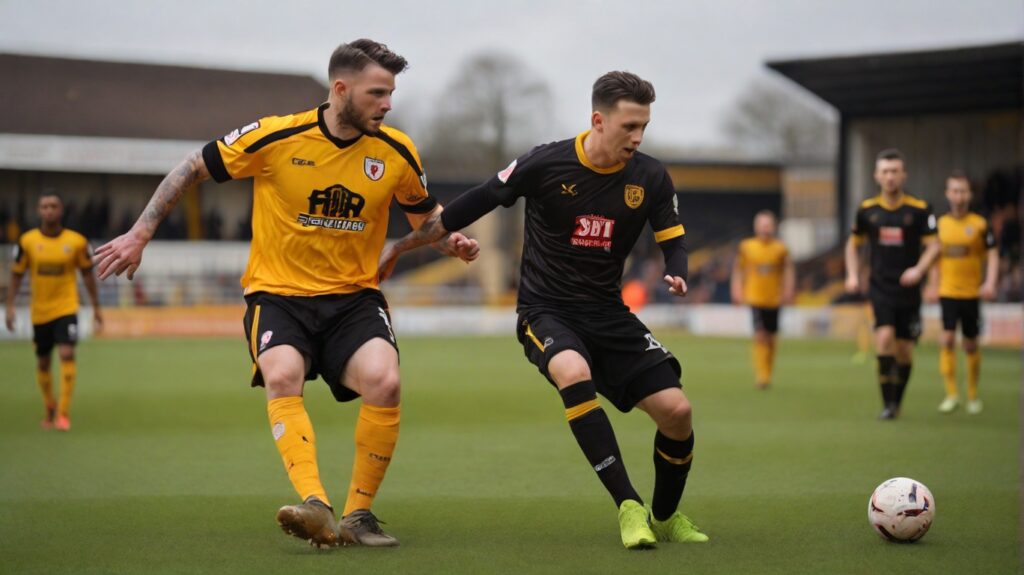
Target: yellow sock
376, 436
762, 363
947, 367
45, 381
293, 435
67, 386
973, 373
769, 360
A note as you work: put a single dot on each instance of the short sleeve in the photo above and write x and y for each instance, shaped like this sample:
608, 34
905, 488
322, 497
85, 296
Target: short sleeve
860, 223
741, 254
928, 225
242, 152
19, 257
84, 259
990, 238
411, 194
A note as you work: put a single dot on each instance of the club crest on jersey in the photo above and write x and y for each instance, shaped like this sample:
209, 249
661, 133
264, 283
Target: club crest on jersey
593, 232
968, 231
634, 196
569, 190
239, 132
373, 168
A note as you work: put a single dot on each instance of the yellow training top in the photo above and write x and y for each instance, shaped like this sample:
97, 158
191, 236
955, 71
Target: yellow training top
762, 263
52, 263
965, 240
320, 204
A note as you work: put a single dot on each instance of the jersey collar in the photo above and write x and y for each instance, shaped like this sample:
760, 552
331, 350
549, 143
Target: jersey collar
582, 157
327, 133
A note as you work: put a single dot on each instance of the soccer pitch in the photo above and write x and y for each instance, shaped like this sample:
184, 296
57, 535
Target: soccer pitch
170, 467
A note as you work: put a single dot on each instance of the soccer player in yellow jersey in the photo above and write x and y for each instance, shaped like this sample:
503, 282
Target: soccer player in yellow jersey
324, 180
763, 278
968, 250
51, 255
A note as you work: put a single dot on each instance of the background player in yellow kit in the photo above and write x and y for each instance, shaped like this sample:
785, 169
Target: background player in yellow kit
967, 246
51, 255
763, 278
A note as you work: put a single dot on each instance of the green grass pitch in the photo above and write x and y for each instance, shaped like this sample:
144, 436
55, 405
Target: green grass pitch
170, 467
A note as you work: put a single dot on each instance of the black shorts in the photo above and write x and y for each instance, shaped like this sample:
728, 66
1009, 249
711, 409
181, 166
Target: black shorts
618, 348
965, 311
63, 330
326, 330
765, 319
905, 319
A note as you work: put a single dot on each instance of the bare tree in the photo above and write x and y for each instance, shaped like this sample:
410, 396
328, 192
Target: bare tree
493, 110
776, 120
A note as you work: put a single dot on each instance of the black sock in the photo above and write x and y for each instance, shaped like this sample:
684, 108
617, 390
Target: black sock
886, 379
672, 460
593, 431
902, 377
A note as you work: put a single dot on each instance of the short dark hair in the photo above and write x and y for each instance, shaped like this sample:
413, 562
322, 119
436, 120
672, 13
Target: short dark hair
615, 86
890, 154
51, 193
359, 54
957, 175
766, 213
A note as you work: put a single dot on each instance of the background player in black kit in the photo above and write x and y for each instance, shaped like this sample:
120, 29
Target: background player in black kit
587, 201
901, 232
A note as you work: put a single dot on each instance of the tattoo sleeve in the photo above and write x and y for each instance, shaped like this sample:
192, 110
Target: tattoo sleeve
187, 174
431, 231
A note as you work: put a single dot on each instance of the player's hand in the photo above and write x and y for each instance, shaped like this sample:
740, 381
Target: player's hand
676, 285
462, 247
386, 263
10, 319
988, 291
911, 277
119, 255
852, 284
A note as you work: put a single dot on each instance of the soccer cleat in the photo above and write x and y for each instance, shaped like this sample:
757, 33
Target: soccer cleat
764, 385
635, 526
62, 423
312, 521
890, 412
975, 406
677, 529
364, 528
48, 420
949, 404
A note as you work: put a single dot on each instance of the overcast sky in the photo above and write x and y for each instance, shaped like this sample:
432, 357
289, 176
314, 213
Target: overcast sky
700, 54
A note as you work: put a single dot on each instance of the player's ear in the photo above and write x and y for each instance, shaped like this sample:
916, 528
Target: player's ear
597, 121
339, 87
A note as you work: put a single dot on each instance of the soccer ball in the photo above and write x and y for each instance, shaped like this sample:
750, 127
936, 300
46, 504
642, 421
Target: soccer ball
901, 510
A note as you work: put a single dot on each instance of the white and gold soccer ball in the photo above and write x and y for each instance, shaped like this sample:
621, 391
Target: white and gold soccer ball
901, 510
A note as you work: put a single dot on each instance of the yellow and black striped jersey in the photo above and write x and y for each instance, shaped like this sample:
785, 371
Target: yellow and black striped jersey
52, 263
965, 241
320, 204
762, 263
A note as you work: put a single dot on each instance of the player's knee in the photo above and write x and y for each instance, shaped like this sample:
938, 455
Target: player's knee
568, 368
970, 345
282, 382
382, 387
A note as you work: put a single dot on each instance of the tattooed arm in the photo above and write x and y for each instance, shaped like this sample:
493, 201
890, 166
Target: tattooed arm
430, 231
124, 253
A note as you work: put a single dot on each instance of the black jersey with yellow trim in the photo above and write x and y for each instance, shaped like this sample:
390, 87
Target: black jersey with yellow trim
320, 203
896, 235
582, 221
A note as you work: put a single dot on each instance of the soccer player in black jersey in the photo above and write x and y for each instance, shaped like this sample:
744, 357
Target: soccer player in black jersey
901, 232
588, 199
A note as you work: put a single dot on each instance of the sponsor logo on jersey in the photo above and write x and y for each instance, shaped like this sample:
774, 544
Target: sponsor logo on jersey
239, 132
634, 196
302, 162
373, 168
955, 251
334, 208
569, 190
890, 236
593, 232
50, 269
504, 174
